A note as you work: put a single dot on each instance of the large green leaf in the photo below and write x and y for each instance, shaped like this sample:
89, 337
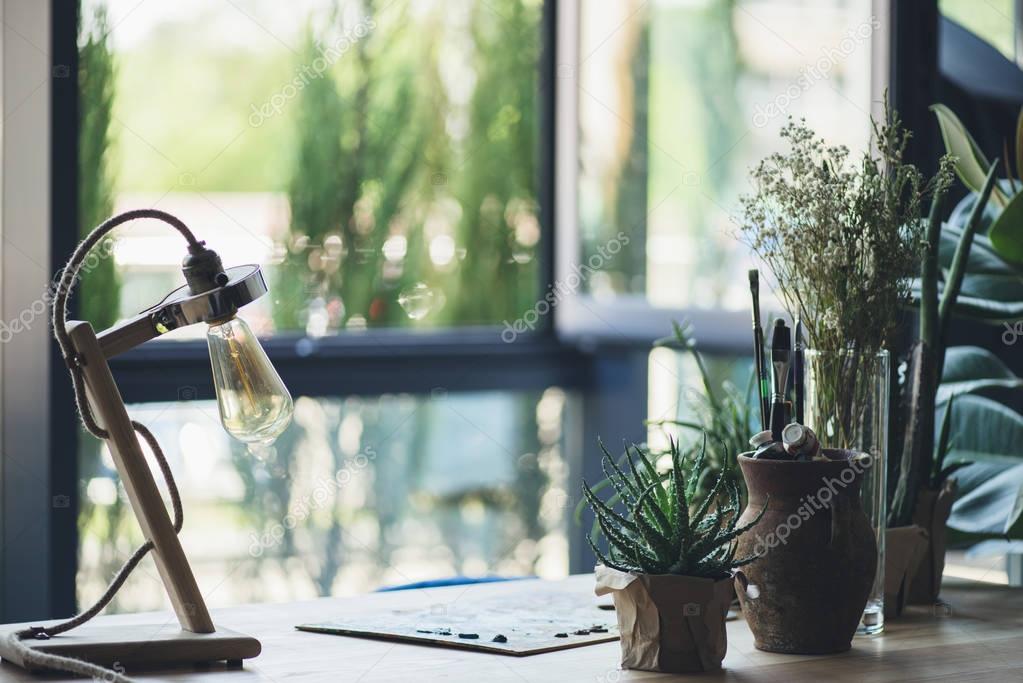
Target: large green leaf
982, 425
1004, 287
990, 436
988, 310
970, 370
992, 288
971, 164
1006, 232
992, 497
961, 213
983, 257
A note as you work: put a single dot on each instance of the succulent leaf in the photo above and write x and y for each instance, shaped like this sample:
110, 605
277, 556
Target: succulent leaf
660, 531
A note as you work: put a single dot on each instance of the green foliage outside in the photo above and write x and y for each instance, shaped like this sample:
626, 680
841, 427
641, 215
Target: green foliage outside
96, 77
376, 148
375, 161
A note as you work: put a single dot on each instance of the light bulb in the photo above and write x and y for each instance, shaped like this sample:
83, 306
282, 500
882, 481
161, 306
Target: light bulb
255, 406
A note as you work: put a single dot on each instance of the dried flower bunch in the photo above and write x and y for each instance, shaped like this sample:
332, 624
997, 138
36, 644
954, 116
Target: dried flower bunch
843, 238
660, 534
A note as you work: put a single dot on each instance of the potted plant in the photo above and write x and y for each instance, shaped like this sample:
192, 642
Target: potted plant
975, 259
669, 565
925, 490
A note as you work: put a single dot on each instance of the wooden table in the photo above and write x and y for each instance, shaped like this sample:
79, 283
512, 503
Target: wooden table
978, 636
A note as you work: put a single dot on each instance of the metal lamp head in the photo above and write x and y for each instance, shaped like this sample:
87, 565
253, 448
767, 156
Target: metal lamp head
234, 288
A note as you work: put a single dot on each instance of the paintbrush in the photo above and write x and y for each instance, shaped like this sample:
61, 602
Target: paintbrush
763, 389
781, 363
798, 371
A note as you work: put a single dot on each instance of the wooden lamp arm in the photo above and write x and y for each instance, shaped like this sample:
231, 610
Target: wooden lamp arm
127, 335
143, 494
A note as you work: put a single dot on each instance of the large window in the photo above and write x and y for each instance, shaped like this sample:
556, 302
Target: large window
379, 157
357, 494
384, 161
381, 160
676, 101
474, 215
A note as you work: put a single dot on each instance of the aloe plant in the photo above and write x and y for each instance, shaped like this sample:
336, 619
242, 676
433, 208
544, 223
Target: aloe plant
661, 532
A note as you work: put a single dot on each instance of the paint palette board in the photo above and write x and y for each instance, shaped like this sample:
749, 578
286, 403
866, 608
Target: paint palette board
531, 623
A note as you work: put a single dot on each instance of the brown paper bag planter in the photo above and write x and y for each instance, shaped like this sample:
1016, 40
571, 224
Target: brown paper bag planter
819, 555
904, 547
669, 623
932, 511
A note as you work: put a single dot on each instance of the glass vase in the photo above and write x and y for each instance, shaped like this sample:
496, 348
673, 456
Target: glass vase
846, 405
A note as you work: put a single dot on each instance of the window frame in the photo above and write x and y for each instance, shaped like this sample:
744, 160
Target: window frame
366, 363
574, 348
630, 318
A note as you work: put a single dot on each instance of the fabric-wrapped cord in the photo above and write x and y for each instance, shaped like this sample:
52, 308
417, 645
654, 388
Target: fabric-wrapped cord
69, 277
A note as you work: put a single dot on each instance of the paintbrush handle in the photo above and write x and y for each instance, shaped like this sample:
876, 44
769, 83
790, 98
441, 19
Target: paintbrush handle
798, 380
763, 395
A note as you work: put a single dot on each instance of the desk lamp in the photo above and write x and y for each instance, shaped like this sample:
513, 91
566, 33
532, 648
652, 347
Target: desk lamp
255, 407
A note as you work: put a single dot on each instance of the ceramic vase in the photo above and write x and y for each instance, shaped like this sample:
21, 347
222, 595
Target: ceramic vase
818, 554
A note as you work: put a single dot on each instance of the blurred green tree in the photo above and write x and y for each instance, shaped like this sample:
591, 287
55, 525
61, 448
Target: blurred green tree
376, 160
96, 77
101, 285
364, 129
495, 182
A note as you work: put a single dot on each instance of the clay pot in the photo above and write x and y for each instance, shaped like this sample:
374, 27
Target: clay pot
932, 510
904, 546
819, 555
669, 623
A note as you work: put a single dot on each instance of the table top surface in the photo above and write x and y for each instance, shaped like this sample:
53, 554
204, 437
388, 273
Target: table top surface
977, 635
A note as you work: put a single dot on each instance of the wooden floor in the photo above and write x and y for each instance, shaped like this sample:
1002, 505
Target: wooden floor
978, 636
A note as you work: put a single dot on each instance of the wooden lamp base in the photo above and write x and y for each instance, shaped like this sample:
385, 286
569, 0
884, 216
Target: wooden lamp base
141, 647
